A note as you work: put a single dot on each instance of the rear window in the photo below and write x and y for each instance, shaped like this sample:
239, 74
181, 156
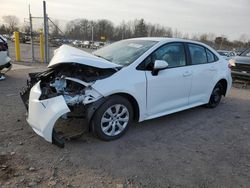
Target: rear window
198, 54
201, 55
210, 56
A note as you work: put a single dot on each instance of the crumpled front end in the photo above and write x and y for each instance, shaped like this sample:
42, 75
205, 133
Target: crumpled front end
43, 114
63, 91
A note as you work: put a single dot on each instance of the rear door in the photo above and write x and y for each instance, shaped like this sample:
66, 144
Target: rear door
205, 68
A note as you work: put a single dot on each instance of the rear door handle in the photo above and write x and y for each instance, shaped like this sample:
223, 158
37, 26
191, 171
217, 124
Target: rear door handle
187, 73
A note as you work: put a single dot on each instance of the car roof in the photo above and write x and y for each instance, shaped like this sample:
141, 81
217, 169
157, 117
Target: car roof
166, 39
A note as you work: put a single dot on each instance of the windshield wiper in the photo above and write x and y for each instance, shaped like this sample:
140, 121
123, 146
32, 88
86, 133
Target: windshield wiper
102, 57
107, 59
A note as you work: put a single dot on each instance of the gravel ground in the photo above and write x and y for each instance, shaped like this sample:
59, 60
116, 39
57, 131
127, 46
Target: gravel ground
199, 148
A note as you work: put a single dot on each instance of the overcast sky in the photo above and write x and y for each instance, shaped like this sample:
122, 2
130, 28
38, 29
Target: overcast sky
227, 17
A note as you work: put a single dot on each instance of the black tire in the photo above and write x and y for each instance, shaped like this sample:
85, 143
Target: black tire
216, 96
97, 125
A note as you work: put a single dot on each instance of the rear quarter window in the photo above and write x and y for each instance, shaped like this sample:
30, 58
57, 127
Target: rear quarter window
211, 57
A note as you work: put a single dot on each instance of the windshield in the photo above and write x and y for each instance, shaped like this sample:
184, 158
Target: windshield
246, 53
124, 52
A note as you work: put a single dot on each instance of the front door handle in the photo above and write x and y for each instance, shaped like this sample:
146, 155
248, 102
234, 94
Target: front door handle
187, 73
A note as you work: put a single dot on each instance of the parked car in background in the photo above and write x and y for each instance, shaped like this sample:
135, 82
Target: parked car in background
77, 43
86, 44
135, 79
227, 54
96, 45
241, 66
55, 42
102, 44
7, 36
23, 38
5, 61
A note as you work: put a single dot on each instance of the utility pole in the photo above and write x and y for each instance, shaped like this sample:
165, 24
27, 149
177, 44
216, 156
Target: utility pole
48, 55
122, 33
31, 37
45, 23
92, 29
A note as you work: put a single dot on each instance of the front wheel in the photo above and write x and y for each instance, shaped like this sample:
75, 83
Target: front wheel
216, 96
112, 119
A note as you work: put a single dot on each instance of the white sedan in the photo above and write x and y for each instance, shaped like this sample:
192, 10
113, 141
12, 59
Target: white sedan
135, 79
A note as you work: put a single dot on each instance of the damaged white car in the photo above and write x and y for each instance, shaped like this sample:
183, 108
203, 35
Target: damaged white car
134, 79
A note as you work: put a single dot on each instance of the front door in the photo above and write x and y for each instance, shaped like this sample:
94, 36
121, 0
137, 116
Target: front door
169, 89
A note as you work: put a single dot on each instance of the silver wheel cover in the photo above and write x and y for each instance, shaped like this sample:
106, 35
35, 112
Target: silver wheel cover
114, 120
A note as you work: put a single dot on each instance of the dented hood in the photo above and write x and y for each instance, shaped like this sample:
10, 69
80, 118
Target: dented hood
68, 54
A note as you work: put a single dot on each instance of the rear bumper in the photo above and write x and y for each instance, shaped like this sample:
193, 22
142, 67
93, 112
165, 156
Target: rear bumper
240, 75
42, 114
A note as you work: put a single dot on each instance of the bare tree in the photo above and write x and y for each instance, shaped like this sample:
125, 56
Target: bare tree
3, 29
177, 34
140, 28
243, 38
104, 28
85, 28
25, 28
186, 36
55, 31
81, 29
211, 36
12, 22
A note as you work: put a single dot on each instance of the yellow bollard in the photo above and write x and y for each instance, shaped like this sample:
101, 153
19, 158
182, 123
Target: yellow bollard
17, 46
41, 47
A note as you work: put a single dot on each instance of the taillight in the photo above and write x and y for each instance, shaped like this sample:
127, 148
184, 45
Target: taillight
3, 47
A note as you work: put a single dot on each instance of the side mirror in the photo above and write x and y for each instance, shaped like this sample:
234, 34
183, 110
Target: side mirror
159, 65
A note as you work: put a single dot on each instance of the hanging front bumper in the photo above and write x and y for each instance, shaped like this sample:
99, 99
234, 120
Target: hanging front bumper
42, 114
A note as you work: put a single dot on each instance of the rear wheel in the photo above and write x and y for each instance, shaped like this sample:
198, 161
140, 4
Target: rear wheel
112, 119
216, 96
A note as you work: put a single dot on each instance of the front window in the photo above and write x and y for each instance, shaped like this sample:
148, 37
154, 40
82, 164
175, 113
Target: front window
246, 53
124, 52
173, 54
